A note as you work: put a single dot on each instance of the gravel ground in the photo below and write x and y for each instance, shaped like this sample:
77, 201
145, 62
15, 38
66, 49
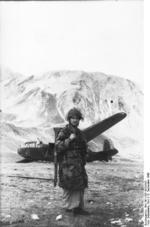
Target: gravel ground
114, 197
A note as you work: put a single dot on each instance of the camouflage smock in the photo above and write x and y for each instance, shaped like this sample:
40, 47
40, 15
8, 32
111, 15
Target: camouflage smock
72, 156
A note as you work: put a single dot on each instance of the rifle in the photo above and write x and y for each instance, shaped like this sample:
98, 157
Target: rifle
55, 167
56, 130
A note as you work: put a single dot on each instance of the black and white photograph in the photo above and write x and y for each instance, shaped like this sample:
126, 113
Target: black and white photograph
72, 114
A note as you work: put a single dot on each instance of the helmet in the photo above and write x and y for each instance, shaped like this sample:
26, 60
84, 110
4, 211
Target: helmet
74, 113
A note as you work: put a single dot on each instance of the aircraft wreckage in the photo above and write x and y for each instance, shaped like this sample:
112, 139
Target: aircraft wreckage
32, 151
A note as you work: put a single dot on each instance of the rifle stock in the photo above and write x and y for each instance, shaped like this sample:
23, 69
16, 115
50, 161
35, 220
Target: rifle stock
56, 130
55, 166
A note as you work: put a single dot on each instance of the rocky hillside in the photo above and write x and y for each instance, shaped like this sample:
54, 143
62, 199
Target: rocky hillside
31, 106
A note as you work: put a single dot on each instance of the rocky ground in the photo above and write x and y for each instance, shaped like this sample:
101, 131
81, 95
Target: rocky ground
114, 197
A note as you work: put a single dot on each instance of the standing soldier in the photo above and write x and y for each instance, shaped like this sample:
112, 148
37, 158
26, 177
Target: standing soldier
71, 150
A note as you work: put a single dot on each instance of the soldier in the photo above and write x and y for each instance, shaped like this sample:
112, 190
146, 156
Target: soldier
71, 150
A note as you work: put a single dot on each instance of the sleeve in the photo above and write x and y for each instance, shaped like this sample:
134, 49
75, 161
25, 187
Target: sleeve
84, 144
62, 142
84, 155
84, 148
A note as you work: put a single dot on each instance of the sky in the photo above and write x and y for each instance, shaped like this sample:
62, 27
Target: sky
107, 37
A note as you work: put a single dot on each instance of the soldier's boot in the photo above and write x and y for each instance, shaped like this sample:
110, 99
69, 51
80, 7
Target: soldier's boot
80, 211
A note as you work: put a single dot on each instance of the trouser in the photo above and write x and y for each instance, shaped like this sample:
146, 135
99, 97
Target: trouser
73, 199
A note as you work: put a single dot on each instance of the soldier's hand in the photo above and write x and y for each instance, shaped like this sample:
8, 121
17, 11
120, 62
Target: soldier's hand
72, 136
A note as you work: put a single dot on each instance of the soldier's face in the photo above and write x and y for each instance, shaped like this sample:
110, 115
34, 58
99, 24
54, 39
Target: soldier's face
74, 121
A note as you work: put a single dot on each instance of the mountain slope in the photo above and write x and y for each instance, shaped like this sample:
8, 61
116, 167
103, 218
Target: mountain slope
41, 102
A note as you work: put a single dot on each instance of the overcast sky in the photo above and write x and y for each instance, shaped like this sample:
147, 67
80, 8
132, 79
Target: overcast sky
91, 36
